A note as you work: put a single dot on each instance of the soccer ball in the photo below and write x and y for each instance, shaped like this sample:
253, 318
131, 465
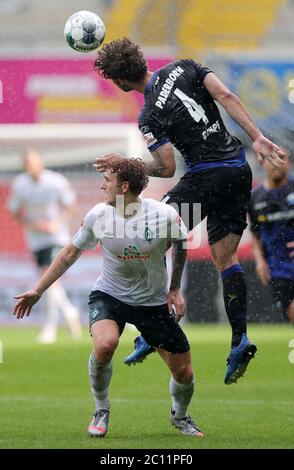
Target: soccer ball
84, 31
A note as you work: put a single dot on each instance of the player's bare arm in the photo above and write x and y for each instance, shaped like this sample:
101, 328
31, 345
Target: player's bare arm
66, 258
52, 226
20, 217
162, 165
262, 146
37, 225
262, 268
67, 214
102, 163
174, 297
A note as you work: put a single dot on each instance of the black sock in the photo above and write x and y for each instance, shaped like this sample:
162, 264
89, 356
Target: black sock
235, 298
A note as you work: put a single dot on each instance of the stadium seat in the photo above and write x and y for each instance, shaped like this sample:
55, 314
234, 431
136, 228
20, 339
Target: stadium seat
224, 24
122, 18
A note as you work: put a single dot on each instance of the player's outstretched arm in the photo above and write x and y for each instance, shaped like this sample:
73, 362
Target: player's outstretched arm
261, 265
262, 146
26, 300
174, 297
162, 164
265, 149
102, 163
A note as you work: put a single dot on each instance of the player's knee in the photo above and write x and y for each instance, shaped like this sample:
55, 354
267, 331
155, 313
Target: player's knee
219, 264
104, 349
183, 374
224, 261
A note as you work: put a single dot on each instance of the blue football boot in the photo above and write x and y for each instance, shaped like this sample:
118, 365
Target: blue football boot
142, 349
238, 360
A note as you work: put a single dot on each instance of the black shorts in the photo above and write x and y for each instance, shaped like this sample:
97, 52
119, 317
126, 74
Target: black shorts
158, 327
45, 256
224, 195
283, 294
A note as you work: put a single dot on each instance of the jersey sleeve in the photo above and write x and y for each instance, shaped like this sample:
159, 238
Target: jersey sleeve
86, 238
178, 230
198, 70
14, 202
253, 223
202, 71
67, 196
152, 131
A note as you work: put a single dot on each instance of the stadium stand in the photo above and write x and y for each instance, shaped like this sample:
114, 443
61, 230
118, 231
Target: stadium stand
158, 22
44, 31
224, 24
122, 17
185, 28
280, 35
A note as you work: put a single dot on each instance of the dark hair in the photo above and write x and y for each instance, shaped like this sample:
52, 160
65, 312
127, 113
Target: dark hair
133, 171
121, 59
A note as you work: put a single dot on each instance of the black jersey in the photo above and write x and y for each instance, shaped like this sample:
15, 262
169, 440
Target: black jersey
272, 219
179, 109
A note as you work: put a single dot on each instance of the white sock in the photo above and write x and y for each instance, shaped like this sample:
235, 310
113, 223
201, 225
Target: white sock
181, 397
100, 376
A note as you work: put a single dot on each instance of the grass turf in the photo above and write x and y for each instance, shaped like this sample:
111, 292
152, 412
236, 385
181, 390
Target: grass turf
46, 400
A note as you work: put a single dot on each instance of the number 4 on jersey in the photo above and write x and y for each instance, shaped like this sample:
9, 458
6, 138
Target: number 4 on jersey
195, 109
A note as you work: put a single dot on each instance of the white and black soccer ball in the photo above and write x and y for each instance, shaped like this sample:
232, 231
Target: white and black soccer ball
84, 31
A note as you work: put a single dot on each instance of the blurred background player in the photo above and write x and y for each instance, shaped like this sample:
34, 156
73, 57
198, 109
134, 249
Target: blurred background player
180, 109
272, 225
43, 201
133, 234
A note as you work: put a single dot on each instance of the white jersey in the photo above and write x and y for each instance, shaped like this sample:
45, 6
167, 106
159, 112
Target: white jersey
42, 199
133, 250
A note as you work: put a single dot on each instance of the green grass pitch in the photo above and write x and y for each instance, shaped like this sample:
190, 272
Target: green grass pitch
46, 400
